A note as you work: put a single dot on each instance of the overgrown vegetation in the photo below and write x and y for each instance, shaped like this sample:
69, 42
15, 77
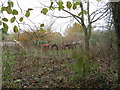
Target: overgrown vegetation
32, 63
37, 68
82, 67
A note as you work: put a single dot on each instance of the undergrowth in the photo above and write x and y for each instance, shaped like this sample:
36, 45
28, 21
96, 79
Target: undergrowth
82, 68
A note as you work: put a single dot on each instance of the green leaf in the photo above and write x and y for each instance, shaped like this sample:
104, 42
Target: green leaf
85, 12
27, 14
3, 9
44, 11
41, 29
77, 3
69, 5
41, 25
15, 12
60, 5
15, 28
5, 27
0, 22
12, 19
18, 80
5, 19
74, 6
98, 0
21, 19
10, 3
9, 10
80, 14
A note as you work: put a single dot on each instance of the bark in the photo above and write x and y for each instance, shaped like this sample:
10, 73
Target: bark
116, 16
87, 46
86, 30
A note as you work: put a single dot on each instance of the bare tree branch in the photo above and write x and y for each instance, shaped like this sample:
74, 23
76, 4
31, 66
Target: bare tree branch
71, 21
19, 7
3, 2
52, 23
82, 18
101, 16
72, 14
98, 10
60, 16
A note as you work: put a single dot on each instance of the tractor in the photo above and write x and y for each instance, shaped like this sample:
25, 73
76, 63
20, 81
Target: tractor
46, 45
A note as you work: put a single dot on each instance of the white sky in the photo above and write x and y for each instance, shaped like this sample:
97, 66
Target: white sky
60, 25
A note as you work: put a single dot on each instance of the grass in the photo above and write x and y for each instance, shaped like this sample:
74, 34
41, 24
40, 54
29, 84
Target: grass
36, 68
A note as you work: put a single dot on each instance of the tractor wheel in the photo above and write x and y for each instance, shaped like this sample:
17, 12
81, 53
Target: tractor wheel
67, 47
54, 47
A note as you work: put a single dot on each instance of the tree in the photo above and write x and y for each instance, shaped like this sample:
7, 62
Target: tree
75, 33
80, 17
86, 22
115, 6
37, 35
14, 16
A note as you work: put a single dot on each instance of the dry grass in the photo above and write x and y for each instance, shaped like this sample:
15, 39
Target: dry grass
36, 68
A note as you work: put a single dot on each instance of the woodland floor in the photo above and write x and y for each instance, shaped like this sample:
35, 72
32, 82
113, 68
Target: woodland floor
23, 70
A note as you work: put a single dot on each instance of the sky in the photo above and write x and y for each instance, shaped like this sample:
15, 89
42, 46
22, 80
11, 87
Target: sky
60, 24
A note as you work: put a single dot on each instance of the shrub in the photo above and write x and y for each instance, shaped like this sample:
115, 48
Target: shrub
82, 66
8, 61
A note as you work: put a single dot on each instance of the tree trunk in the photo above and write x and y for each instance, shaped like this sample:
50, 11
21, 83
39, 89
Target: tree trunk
87, 46
116, 16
